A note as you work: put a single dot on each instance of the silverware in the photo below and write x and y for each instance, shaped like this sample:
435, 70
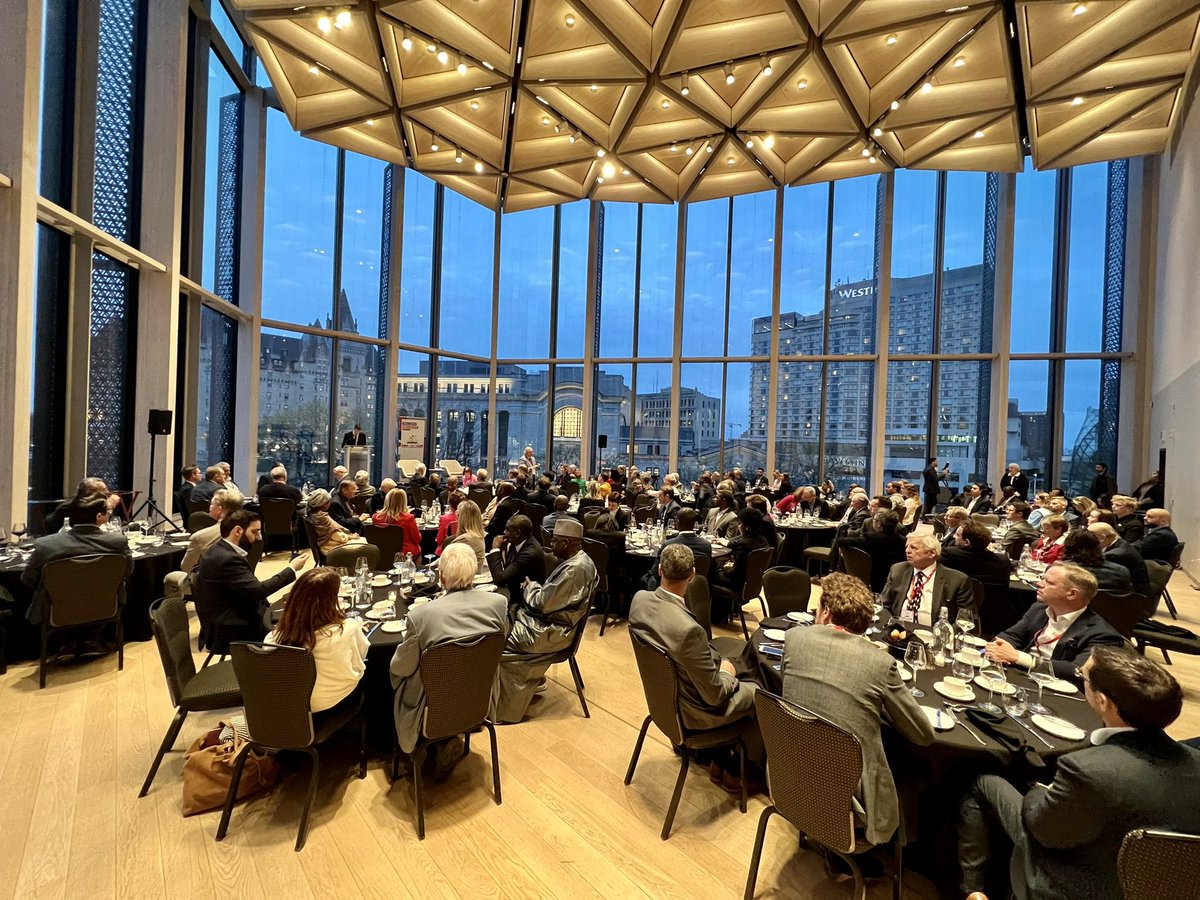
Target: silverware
950, 710
1031, 731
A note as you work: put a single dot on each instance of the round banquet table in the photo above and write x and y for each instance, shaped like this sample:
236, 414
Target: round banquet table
799, 535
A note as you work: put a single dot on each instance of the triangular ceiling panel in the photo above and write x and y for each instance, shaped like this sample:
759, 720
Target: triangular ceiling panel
485, 31
806, 100
600, 110
731, 170
663, 118
477, 124
483, 189
543, 138
848, 163
729, 102
419, 76
980, 145
562, 44
715, 31
520, 195
372, 137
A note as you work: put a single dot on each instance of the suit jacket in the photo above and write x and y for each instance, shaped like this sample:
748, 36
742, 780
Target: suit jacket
665, 515
606, 521
1073, 648
230, 600
951, 589
458, 616
1122, 553
1019, 533
505, 510
199, 544
694, 542
81, 540
1112, 578
929, 482
281, 490
1130, 528
981, 505
541, 498
885, 551
528, 562
343, 513
708, 697
818, 508
1157, 543
204, 490
721, 523
348, 439
1019, 483
984, 566
1074, 828
840, 676
1102, 486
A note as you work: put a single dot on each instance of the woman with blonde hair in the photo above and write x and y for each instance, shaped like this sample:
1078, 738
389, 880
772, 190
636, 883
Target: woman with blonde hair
470, 530
330, 535
395, 514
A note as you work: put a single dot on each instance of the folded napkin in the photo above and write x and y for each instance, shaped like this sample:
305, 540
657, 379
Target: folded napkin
1009, 735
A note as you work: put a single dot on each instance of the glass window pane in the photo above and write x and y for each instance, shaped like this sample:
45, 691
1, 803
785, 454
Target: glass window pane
613, 398
526, 267
412, 406
850, 394
704, 278
743, 403
462, 412
1091, 390
216, 390
299, 218
700, 449
362, 247
521, 395
802, 285
907, 421
57, 101
110, 371
222, 184
656, 309
1033, 260
1085, 281
118, 102
964, 390
966, 320
852, 265
653, 423
914, 230
798, 418
228, 31
1028, 425
360, 372
568, 418
752, 270
572, 278
468, 242
416, 267
616, 270
48, 381
293, 404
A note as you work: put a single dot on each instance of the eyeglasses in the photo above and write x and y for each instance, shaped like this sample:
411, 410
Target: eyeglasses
1079, 673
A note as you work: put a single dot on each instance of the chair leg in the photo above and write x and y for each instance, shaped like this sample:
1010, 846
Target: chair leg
637, 750
683, 770
120, 644
466, 745
756, 856
741, 748
604, 615
1170, 604
1166, 656
168, 742
762, 601
898, 875
207, 660
860, 887
579, 686
495, 762
231, 794
42, 662
362, 746
742, 616
309, 797
418, 763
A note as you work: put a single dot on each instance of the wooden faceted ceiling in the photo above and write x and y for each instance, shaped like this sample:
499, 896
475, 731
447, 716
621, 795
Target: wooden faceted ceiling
526, 103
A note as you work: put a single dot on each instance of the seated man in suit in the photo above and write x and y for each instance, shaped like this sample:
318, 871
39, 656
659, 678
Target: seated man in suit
541, 494
614, 518
380, 496
829, 670
666, 509
710, 694
1020, 533
84, 539
1060, 627
507, 506
545, 621
340, 474
230, 600
686, 523
518, 558
882, 541
918, 589
1158, 543
189, 477
970, 555
722, 521
1122, 553
561, 504
87, 488
341, 507
214, 480
955, 517
1065, 837
1082, 548
225, 502
279, 487
462, 614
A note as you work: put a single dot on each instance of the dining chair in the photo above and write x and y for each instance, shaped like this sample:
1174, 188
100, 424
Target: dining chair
388, 539
82, 590
1175, 562
199, 520
1122, 611
857, 563
278, 519
1154, 865
703, 564
276, 682
660, 683
347, 555
310, 534
785, 590
699, 601
813, 768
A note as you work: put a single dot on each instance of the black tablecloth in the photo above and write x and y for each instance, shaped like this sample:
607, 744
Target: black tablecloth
798, 538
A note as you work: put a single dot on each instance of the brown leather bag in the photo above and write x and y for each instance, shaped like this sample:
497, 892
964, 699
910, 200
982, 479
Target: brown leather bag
208, 772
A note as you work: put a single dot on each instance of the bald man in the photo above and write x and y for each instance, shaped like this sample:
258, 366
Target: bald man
1158, 543
1120, 551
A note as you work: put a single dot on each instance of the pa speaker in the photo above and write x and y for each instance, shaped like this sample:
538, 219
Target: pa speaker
602, 441
159, 422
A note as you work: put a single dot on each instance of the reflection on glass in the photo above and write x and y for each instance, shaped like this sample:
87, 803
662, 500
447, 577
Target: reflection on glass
907, 422
526, 266
1091, 390
222, 186
572, 278
416, 266
848, 413
522, 393
656, 306
360, 371
1028, 422
653, 421
614, 395
468, 241
964, 405
1033, 260
701, 392
705, 277
852, 275
567, 431
751, 272
966, 318
362, 246
293, 404
460, 426
798, 417
616, 269
216, 388
914, 233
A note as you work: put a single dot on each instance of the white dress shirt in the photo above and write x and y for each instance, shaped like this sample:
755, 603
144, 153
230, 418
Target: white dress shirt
1047, 639
925, 613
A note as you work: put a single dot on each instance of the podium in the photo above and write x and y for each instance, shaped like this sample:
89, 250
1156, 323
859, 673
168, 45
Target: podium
356, 459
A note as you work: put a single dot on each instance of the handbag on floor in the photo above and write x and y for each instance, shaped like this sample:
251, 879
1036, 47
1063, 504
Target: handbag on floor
208, 771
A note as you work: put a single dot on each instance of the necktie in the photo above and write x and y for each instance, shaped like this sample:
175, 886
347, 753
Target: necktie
914, 598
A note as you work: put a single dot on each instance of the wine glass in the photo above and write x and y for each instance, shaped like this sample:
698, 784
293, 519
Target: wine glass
1015, 703
1042, 674
398, 561
993, 675
965, 621
19, 530
914, 656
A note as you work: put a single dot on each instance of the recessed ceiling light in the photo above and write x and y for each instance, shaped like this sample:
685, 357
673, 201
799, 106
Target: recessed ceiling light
927, 87
765, 65
891, 40
979, 134
877, 132
313, 70
674, 148
443, 57
708, 148
684, 89
609, 170
474, 104
325, 24
1079, 10
666, 104
600, 153
342, 19
895, 104
688, 151
768, 142
802, 84
866, 152
959, 62
600, 180
569, 21
406, 41
478, 166
433, 147
1076, 101
462, 67
871, 160
729, 73
624, 171
370, 123
729, 160
595, 87
545, 120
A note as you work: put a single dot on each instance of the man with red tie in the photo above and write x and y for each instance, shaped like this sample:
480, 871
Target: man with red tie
917, 590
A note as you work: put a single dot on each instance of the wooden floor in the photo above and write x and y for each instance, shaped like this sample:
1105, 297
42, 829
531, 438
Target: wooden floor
73, 756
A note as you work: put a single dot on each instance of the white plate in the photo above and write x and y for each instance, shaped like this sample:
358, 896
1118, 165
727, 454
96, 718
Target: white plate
1000, 687
483, 579
393, 627
968, 697
137, 554
774, 634
1059, 728
905, 672
488, 588
802, 617
971, 659
973, 641
420, 578
1062, 687
382, 604
938, 718
380, 581
374, 614
926, 636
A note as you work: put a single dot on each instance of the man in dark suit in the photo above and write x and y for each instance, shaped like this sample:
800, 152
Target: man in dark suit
1020, 533
918, 589
279, 487
189, 477
975, 500
1122, 553
882, 542
214, 480
84, 539
666, 510
355, 437
1065, 837
970, 555
1158, 543
542, 497
1060, 626
517, 558
1103, 485
613, 518
341, 507
87, 488
930, 484
686, 523
230, 600
810, 504
1015, 479
507, 506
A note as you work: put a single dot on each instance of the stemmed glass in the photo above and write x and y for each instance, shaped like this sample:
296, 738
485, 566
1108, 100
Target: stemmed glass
993, 675
18, 530
965, 621
1042, 674
914, 656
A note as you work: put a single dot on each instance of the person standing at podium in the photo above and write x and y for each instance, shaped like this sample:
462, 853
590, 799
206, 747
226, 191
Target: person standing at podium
355, 437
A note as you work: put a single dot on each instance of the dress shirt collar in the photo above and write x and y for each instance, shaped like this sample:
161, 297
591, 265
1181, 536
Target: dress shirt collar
1101, 735
673, 597
1066, 620
929, 570
240, 552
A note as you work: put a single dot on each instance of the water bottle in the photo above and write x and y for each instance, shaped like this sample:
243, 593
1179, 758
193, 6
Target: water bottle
943, 638
407, 569
66, 526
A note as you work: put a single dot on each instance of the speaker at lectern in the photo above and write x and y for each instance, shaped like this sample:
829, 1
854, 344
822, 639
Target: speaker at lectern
356, 459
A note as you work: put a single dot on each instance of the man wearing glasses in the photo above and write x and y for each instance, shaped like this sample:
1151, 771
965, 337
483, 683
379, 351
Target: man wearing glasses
1065, 836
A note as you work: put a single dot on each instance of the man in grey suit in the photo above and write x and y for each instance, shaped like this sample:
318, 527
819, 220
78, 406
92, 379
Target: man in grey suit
225, 502
710, 695
461, 615
917, 590
84, 539
829, 670
1065, 836
1020, 533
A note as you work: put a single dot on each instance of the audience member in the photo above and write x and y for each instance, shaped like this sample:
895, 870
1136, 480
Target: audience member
1039, 510
470, 532
561, 505
686, 523
881, 540
1020, 533
1082, 548
970, 555
330, 534
341, 507
377, 499
520, 558
722, 519
955, 518
362, 484
1049, 547
918, 589
278, 487
614, 518
448, 523
1103, 485
214, 480
729, 580
1129, 523
395, 514
224, 502
1158, 543
507, 506
189, 477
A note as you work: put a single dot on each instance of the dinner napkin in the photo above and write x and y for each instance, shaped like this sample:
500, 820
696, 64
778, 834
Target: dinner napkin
1009, 735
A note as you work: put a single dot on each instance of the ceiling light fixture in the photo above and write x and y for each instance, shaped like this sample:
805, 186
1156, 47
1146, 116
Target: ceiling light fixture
688, 152
545, 120
765, 65
325, 24
895, 105
573, 137
624, 171
443, 57
708, 147
600, 179
729, 73
891, 40
370, 123
871, 160
1079, 10
474, 105
458, 156
802, 84
478, 166
433, 146
684, 89
729, 160
595, 87
979, 134
866, 152
749, 142
609, 170
342, 19
1077, 101
600, 153
558, 127
406, 41
462, 66
666, 104
877, 132
431, 48
768, 142
569, 21
674, 148
959, 62
927, 87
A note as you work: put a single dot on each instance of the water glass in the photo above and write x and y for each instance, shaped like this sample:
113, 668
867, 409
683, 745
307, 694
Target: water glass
993, 675
914, 656
1016, 703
